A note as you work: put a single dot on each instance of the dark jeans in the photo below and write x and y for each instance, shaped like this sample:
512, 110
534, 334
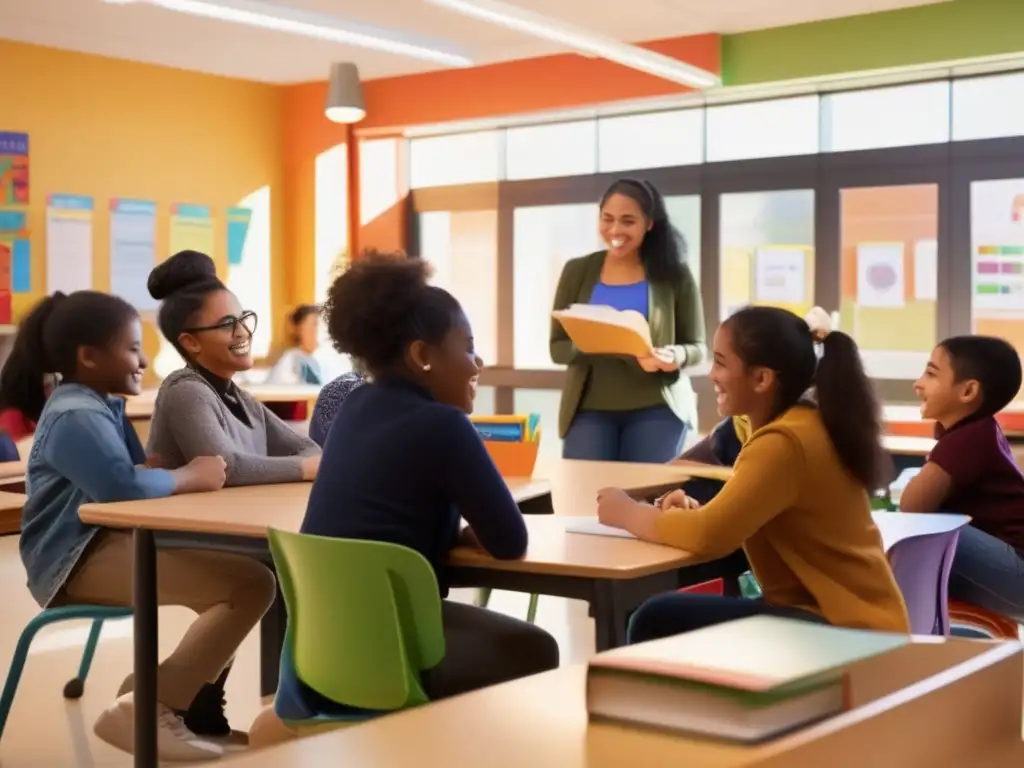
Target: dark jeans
989, 573
650, 435
484, 648
675, 613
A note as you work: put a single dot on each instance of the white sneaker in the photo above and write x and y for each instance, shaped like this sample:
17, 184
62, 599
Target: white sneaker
174, 742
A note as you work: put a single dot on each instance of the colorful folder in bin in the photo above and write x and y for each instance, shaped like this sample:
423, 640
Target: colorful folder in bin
512, 442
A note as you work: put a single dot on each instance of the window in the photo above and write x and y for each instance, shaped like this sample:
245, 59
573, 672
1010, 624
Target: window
900, 116
250, 279
988, 107
463, 248
656, 140
997, 260
330, 233
767, 250
889, 283
684, 213
544, 238
379, 175
547, 151
546, 403
463, 158
777, 128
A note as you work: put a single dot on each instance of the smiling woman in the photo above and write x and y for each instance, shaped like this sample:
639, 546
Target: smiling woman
631, 409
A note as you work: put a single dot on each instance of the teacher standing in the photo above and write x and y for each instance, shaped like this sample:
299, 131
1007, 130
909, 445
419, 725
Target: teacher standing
624, 408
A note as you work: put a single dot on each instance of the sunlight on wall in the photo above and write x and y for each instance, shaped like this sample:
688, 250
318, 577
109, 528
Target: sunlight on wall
330, 242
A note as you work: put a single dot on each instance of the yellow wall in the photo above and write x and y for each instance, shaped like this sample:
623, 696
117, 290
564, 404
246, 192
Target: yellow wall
108, 128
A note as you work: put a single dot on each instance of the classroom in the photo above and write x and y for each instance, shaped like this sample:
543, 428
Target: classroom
354, 197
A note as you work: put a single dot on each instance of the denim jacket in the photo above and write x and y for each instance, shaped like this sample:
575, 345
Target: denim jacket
85, 450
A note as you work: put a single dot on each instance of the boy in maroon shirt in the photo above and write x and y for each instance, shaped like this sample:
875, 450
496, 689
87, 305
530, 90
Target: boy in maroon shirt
972, 471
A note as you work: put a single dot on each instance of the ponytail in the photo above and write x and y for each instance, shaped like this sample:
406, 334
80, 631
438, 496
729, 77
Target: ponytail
851, 412
22, 380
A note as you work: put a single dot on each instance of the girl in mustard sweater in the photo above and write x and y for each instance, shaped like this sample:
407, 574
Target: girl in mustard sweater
798, 501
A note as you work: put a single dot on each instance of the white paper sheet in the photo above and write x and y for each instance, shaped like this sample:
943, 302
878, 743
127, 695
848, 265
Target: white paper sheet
68, 243
880, 275
132, 251
926, 267
780, 276
590, 525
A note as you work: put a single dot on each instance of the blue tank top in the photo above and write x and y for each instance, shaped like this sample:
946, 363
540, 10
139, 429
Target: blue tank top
633, 296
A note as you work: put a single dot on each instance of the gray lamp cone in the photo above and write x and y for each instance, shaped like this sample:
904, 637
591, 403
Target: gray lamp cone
345, 94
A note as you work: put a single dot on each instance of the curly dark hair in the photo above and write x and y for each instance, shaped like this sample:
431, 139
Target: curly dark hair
383, 303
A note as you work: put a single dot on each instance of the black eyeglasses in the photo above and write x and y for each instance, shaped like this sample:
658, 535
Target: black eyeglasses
247, 320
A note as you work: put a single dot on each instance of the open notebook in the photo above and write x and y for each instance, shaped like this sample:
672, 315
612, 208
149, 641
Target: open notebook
601, 330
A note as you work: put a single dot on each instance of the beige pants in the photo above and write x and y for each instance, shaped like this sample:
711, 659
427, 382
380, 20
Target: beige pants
229, 592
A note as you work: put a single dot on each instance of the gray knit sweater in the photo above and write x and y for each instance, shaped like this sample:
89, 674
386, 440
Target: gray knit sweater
190, 419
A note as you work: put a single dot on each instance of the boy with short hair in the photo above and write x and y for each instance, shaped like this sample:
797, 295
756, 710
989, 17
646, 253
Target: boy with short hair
972, 470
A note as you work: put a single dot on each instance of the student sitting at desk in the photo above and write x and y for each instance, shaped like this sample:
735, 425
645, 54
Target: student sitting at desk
402, 462
297, 365
199, 410
329, 401
86, 450
972, 471
798, 501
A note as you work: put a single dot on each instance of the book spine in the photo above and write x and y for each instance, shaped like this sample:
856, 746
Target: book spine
503, 433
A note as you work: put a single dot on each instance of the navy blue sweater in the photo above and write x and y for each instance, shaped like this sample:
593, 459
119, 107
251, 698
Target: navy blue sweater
400, 467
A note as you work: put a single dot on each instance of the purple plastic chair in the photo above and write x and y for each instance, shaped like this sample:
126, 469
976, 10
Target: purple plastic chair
921, 565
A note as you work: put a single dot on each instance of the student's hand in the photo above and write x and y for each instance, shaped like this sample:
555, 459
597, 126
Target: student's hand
616, 509
203, 473
310, 466
677, 499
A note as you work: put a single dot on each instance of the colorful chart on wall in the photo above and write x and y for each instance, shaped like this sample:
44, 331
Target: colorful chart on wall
192, 229
13, 168
880, 275
238, 230
132, 250
15, 263
68, 243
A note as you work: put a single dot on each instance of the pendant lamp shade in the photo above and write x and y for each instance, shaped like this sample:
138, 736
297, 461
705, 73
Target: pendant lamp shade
345, 94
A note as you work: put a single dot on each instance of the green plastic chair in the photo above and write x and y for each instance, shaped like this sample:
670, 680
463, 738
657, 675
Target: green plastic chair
76, 685
364, 619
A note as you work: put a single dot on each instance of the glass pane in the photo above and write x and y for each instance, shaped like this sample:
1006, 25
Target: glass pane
544, 238
547, 151
463, 248
889, 284
484, 403
378, 178
777, 128
684, 213
330, 235
656, 140
988, 107
463, 158
767, 252
997, 262
901, 116
546, 403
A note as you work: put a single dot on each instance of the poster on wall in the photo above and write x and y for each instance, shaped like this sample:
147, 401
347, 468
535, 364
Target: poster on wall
238, 230
880, 275
15, 265
132, 250
780, 275
13, 168
192, 228
68, 243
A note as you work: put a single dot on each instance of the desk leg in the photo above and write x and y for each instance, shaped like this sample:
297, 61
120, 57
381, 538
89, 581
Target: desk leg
610, 615
145, 632
272, 629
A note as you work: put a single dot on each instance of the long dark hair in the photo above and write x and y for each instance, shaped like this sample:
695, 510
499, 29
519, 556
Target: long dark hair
663, 250
48, 340
777, 339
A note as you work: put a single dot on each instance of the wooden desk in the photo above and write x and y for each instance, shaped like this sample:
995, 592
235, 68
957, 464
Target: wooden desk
141, 406
941, 703
905, 420
238, 518
10, 511
899, 526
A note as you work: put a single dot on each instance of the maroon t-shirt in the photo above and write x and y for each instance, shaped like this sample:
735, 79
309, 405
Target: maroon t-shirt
987, 483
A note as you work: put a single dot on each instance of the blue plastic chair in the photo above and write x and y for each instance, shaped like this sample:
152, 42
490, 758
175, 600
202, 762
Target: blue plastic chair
76, 686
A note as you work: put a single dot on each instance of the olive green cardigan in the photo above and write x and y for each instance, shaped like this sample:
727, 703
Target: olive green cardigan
677, 324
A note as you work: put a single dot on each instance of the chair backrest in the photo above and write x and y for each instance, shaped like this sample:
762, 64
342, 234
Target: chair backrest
921, 565
364, 618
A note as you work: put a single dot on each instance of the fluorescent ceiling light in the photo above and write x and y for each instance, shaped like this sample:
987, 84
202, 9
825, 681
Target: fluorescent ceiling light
297, 21
581, 40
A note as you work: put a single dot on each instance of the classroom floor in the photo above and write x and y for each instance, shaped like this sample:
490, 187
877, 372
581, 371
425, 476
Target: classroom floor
45, 731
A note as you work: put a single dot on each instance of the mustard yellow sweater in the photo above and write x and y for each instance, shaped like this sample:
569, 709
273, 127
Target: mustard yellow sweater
804, 523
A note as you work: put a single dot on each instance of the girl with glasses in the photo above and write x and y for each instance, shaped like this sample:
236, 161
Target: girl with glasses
200, 411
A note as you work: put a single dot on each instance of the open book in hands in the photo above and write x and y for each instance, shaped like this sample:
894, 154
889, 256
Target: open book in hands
601, 330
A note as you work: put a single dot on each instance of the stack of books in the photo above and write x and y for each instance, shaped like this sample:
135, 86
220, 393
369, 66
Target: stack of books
745, 681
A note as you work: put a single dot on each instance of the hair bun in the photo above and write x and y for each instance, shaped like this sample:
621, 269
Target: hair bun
183, 271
